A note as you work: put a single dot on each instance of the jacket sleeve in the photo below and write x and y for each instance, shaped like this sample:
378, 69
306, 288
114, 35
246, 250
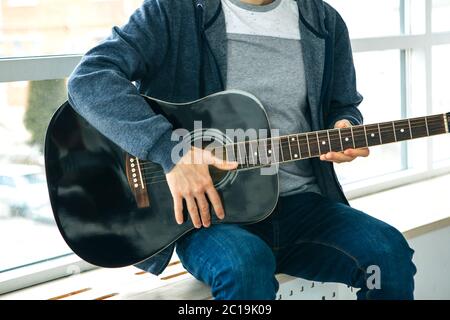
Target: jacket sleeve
101, 87
344, 99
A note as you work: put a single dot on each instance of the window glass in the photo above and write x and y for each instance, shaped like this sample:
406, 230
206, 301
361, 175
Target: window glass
441, 98
28, 232
441, 15
369, 18
379, 81
43, 27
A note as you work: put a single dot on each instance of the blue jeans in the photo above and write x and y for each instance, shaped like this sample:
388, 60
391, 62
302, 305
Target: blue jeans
307, 236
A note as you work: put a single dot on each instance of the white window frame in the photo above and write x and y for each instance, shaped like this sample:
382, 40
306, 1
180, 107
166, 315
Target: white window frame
60, 66
423, 43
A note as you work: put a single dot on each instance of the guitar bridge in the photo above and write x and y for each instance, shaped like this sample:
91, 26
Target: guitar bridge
136, 181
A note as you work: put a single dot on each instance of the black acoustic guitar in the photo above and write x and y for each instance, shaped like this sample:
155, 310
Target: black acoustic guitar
114, 209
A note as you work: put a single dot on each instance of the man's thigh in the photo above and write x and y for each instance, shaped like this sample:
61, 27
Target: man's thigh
331, 241
208, 251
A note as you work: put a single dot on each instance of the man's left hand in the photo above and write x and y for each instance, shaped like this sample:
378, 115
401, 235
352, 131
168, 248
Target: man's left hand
349, 154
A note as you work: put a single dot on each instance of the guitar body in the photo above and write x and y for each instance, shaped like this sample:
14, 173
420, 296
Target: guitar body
107, 218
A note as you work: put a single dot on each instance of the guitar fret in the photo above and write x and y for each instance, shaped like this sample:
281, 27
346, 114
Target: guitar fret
318, 142
340, 139
410, 131
251, 160
365, 136
253, 154
299, 149
267, 150
289, 145
304, 145
284, 152
347, 141
353, 137
436, 124
247, 153
256, 152
242, 158
307, 142
324, 141
393, 129
263, 152
418, 127
379, 133
329, 140
402, 130
281, 149
426, 125
335, 140
313, 144
238, 155
373, 135
387, 132
359, 137
272, 151
293, 143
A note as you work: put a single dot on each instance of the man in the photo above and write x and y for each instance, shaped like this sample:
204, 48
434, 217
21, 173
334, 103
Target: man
295, 56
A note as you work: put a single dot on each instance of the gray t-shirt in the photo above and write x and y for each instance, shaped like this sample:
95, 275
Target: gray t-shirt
265, 58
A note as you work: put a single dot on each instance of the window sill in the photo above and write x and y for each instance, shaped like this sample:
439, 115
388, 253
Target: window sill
42, 272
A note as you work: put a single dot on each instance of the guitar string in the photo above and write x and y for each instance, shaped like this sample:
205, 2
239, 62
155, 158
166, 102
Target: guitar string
156, 174
147, 167
315, 133
433, 118
162, 178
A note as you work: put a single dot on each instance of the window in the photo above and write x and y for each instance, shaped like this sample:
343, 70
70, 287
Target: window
6, 181
363, 17
441, 14
58, 27
27, 223
402, 71
379, 79
22, 3
401, 50
441, 97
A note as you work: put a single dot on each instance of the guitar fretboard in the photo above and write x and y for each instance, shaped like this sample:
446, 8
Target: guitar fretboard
257, 153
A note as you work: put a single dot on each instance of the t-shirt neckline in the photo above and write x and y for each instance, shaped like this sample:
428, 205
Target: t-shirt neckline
256, 8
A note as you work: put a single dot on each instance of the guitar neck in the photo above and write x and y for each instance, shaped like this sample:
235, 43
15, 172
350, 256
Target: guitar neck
300, 146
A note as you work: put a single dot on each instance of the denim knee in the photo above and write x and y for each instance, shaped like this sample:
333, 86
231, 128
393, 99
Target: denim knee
247, 275
393, 257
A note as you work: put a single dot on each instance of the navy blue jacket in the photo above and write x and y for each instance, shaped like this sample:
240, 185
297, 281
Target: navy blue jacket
158, 53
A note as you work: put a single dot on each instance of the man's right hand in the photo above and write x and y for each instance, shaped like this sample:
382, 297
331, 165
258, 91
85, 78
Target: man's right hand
190, 180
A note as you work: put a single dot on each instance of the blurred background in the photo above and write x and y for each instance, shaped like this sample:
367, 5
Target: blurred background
401, 52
